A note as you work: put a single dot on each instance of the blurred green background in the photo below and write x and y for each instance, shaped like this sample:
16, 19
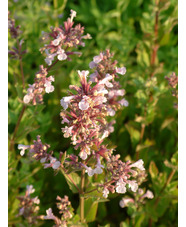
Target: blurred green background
146, 129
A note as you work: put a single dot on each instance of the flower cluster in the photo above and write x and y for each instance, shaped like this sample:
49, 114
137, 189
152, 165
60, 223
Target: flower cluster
38, 150
41, 85
85, 115
62, 38
15, 52
64, 206
104, 67
13, 29
121, 175
29, 206
138, 199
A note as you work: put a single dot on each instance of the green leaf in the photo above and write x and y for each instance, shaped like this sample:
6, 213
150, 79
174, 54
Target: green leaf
76, 179
123, 224
167, 122
134, 133
90, 210
153, 170
140, 221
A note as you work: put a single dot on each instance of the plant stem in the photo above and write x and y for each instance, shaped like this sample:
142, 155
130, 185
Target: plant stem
156, 46
81, 195
109, 182
49, 67
16, 127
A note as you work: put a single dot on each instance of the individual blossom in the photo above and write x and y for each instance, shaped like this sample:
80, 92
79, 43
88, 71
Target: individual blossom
125, 202
148, 195
138, 164
54, 163
105, 192
22, 148
121, 186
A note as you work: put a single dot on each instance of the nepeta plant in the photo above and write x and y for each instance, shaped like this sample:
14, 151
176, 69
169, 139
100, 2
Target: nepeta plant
87, 117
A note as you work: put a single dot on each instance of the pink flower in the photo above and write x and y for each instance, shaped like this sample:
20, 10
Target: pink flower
90, 171
22, 148
111, 112
105, 134
138, 164
49, 59
72, 14
49, 215
30, 94
92, 64
148, 195
125, 201
83, 155
121, 71
48, 87
121, 186
105, 192
65, 120
106, 80
98, 58
83, 74
67, 131
124, 102
36, 200
30, 189
61, 54
53, 163
93, 77
65, 101
98, 169
133, 185
84, 104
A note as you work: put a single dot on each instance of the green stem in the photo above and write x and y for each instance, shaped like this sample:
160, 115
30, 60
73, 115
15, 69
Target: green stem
81, 195
109, 182
155, 46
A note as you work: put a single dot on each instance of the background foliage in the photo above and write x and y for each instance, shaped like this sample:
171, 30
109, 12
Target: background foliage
146, 129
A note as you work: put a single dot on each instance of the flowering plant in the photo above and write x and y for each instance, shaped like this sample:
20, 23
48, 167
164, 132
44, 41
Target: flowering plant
95, 117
